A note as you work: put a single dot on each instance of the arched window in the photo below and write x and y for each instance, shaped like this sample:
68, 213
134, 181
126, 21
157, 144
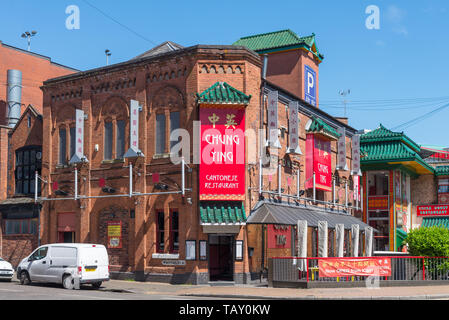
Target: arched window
168, 105
115, 127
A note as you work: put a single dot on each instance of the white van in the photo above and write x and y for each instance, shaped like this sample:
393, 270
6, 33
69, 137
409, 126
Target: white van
69, 264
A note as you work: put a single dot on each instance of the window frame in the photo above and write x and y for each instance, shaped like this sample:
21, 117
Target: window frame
19, 223
32, 166
62, 156
160, 241
160, 149
173, 231
114, 121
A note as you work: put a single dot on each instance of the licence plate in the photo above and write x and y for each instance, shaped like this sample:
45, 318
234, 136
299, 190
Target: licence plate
90, 269
4, 272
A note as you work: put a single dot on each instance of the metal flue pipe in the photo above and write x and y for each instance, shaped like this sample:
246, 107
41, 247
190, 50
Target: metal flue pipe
14, 96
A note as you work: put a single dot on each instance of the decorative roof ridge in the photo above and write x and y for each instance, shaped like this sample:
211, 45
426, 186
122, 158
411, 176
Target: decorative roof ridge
268, 33
383, 134
228, 95
319, 125
442, 170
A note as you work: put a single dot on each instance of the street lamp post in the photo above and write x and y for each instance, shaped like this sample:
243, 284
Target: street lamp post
28, 36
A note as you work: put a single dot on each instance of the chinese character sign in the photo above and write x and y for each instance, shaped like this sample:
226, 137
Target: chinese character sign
272, 108
331, 268
341, 157
134, 126
356, 155
79, 135
293, 121
433, 210
318, 161
222, 169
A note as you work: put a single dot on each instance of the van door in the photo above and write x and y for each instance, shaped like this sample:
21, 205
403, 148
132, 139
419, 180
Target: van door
60, 259
39, 264
94, 262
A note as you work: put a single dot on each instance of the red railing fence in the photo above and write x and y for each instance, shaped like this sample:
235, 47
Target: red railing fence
402, 268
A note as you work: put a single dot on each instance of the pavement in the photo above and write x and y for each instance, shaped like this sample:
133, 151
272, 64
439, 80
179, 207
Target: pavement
263, 292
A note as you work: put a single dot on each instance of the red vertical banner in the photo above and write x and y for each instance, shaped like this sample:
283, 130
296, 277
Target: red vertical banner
318, 161
222, 166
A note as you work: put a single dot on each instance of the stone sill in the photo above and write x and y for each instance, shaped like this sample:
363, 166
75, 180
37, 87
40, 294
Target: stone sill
161, 156
166, 256
113, 161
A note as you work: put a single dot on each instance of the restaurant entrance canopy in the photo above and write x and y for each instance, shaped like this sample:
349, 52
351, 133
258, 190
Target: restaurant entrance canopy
284, 214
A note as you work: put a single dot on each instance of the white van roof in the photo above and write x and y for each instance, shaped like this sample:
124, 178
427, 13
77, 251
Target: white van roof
74, 245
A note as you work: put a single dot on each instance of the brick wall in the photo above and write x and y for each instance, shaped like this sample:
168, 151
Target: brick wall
23, 135
3, 161
286, 69
35, 69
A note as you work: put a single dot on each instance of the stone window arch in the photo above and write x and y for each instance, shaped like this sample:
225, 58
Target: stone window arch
168, 109
114, 128
64, 134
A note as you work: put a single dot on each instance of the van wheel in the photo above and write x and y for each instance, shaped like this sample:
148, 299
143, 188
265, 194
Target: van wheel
97, 285
68, 282
24, 278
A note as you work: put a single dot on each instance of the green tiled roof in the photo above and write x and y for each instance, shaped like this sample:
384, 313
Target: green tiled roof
227, 212
319, 126
385, 146
389, 150
435, 221
442, 171
382, 134
223, 93
283, 39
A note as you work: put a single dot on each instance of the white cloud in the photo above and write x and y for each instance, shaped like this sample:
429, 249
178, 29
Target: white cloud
396, 16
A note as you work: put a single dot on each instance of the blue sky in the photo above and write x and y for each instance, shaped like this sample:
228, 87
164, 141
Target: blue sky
398, 72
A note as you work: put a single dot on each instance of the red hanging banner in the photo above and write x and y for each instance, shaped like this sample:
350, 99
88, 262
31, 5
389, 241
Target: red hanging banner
222, 168
318, 161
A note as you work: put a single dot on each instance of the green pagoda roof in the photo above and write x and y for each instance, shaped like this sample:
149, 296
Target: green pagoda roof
442, 171
319, 126
388, 147
382, 134
224, 212
389, 150
279, 40
223, 93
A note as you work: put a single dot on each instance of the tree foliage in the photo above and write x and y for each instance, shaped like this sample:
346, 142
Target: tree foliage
428, 242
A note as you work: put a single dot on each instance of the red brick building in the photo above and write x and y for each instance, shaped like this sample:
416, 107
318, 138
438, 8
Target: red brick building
35, 69
156, 225
21, 147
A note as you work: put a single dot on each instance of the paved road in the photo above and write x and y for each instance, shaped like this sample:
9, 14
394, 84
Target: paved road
14, 291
